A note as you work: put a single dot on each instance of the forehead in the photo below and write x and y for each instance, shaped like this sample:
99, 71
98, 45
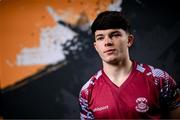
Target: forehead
107, 31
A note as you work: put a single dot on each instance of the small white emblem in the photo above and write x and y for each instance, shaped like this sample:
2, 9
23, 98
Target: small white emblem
142, 105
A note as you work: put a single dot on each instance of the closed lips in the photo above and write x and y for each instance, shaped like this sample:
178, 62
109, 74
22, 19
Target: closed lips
110, 50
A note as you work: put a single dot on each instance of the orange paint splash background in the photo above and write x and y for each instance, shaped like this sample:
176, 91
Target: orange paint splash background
20, 25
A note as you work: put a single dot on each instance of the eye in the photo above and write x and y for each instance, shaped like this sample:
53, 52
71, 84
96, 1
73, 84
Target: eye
115, 35
99, 38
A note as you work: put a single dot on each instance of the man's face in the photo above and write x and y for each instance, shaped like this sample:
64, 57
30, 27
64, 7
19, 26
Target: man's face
112, 44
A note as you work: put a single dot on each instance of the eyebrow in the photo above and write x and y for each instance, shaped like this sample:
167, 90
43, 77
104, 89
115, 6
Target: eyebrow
114, 32
99, 35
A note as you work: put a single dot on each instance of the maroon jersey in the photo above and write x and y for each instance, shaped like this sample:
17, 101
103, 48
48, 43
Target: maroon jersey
145, 94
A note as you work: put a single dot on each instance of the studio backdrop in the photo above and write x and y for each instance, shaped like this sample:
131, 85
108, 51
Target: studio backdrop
47, 54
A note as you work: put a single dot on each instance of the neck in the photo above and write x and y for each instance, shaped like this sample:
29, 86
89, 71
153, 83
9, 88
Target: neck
124, 65
119, 72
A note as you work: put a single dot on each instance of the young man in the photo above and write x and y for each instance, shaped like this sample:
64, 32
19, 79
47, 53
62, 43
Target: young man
124, 88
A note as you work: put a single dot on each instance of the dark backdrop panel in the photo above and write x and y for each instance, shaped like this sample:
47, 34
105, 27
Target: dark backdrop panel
53, 92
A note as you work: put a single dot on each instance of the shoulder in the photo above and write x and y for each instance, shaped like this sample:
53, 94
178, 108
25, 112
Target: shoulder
151, 70
88, 86
160, 77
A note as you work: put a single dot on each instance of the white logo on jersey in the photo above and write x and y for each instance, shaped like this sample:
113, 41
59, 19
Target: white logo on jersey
100, 108
142, 104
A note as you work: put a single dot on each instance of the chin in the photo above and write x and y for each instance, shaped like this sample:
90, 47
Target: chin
112, 61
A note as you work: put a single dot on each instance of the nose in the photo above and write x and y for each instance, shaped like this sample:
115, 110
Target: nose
108, 42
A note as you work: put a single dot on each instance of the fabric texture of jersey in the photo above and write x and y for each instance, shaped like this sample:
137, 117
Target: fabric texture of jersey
146, 93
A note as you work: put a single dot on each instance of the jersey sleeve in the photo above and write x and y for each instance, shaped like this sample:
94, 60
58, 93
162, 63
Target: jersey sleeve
85, 112
169, 93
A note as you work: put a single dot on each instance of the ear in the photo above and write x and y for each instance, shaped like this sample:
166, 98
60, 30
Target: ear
95, 45
130, 40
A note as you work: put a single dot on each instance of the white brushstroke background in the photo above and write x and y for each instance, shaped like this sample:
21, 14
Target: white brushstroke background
50, 50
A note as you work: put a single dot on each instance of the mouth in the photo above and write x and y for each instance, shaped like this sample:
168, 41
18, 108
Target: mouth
109, 51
